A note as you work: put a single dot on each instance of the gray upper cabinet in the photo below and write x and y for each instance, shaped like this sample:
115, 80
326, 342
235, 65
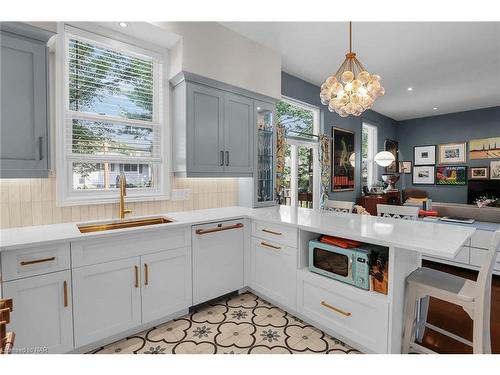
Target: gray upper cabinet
238, 134
205, 130
24, 126
213, 128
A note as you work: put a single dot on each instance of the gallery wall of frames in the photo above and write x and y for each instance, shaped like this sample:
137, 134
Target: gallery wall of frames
450, 155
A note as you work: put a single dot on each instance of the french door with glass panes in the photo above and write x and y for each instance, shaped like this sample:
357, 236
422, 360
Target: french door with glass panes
302, 187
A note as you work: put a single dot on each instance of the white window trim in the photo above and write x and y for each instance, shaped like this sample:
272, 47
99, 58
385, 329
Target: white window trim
65, 195
294, 154
372, 168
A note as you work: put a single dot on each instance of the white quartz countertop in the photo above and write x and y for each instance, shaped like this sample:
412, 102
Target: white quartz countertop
425, 237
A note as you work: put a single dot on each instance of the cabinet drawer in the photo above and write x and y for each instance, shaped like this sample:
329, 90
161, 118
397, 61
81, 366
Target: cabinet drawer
482, 239
95, 251
353, 314
275, 232
33, 261
477, 257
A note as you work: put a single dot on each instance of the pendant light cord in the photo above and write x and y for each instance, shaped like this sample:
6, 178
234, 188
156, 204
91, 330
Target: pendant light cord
350, 37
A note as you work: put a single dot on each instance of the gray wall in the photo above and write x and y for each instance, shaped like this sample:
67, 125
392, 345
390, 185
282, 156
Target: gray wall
299, 89
453, 127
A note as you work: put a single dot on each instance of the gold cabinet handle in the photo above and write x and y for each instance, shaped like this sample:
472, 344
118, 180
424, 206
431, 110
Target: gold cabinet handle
29, 262
5, 315
272, 232
65, 292
136, 269
218, 229
270, 246
146, 274
328, 306
136, 276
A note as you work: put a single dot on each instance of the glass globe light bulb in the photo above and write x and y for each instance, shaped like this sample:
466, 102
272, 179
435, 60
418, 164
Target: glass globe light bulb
375, 77
331, 81
381, 91
356, 84
336, 87
364, 76
362, 91
347, 76
355, 98
348, 86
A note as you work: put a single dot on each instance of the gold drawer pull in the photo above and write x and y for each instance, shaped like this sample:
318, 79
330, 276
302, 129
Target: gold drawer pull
271, 246
65, 289
271, 232
136, 276
146, 274
6, 304
323, 303
218, 229
29, 262
5, 315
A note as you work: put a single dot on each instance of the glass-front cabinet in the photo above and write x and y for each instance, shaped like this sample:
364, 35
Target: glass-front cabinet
265, 154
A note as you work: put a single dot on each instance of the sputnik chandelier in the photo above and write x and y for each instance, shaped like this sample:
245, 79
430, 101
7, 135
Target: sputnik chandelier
351, 90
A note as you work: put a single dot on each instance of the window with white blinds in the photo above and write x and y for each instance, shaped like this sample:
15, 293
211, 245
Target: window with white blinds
112, 120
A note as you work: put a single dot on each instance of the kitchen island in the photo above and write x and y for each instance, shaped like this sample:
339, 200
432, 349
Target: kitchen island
275, 266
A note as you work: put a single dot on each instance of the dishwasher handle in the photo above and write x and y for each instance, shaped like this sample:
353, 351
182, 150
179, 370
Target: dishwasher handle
219, 228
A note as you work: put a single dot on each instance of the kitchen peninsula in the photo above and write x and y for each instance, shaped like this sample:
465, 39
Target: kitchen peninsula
87, 273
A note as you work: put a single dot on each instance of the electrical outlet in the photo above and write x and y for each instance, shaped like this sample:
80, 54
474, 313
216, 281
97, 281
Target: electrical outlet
181, 194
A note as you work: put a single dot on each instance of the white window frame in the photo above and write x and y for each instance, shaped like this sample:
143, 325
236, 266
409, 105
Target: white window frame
372, 167
294, 143
65, 194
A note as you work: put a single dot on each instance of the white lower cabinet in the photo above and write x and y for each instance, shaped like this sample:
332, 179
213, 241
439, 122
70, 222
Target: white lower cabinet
107, 299
42, 314
166, 286
350, 314
273, 271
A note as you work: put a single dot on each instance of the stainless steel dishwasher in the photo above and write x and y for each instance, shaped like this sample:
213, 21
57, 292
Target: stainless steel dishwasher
217, 259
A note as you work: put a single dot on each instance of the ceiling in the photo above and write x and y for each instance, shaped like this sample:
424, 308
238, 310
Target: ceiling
451, 66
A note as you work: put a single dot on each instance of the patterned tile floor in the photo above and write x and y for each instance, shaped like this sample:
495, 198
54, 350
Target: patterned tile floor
239, 324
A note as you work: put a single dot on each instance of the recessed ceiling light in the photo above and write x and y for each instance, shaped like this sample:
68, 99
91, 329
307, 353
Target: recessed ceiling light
410, 89
435, 108
123, 24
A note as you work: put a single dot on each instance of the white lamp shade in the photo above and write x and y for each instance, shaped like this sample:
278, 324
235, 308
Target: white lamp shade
384, 158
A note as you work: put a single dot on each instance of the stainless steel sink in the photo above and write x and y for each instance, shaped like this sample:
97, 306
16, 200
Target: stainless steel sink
111, 225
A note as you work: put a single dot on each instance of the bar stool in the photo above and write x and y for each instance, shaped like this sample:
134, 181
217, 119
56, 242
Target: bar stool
339, 206
397, 212
473, 296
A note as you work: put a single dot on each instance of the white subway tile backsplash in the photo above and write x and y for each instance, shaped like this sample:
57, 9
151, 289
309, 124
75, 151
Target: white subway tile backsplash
25, 202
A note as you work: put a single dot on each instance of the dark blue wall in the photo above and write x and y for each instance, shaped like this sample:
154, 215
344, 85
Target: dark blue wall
306, 92
453, 127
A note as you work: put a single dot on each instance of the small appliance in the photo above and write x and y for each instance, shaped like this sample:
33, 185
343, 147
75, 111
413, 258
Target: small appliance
349, 265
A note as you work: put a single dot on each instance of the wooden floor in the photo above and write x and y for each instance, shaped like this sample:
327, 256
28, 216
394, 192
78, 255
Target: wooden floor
453, 319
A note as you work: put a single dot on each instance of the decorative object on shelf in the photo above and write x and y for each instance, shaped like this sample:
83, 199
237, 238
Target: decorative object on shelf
451, 175
342, 169
324, 163
393, 147
423, 175
360, 210
479, 173
486, 148
405, 167
390, 180
384, 158
424, 155
358, 91
452, 153
485, 202
495, 170
280, 162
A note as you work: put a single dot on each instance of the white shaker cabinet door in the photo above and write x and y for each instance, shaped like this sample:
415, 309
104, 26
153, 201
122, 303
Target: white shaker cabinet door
166, 283
273, 269
107, 299
42, 314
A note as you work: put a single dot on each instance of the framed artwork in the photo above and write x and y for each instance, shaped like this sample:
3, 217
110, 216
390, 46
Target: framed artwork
495, 170
423, 175
451, 175
404, 167
479, 173
342, 169
392, 147
452, 153
486, 148
424, 155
